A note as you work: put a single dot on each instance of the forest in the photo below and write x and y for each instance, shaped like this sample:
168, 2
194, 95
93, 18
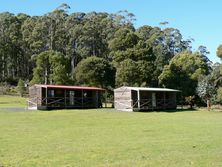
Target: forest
105, 50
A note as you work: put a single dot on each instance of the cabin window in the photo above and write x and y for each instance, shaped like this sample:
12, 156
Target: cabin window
51, 93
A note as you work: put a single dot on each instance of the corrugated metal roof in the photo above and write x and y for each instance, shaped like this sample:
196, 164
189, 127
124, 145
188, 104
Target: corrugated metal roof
150, 89
70, 87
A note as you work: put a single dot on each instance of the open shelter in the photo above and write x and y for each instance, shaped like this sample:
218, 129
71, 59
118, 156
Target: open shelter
61, 96
142, 98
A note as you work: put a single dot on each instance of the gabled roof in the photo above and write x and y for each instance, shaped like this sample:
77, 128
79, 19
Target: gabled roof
149, 89
69, 87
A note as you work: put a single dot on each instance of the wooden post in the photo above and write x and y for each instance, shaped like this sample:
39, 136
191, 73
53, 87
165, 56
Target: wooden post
154, 105
27, 103
82, 98
39, 97
97, 99
65, 98
181, 99
138, 99
46, 97
105, 99
164, 100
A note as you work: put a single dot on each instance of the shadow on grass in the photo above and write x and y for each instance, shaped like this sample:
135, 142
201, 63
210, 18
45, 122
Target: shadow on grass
77, 109
108, 109
169, 111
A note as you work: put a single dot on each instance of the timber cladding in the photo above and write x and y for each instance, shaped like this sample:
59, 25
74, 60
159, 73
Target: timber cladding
122, 99
35, 95
140, 98
63, 96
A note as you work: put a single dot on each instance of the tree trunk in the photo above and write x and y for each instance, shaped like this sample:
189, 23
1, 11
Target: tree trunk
191, 106
73, 60
208, 105
46, 76
72, 65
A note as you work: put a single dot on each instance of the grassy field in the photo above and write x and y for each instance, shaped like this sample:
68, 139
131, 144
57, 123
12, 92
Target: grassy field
104, 137
12, 102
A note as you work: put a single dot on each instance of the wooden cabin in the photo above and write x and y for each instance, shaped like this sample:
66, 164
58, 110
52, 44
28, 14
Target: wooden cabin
142, 99
60, 97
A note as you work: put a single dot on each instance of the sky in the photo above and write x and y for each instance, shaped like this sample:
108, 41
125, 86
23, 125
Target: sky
197, 19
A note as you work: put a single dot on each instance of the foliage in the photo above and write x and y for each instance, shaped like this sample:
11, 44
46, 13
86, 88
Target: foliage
219, 95
127, 73
4, 89
50, 68
206, 88
216, 75
95, 71
219, 51
21, 87
183, 72
134, 73
78, 36
49, 48
190, 100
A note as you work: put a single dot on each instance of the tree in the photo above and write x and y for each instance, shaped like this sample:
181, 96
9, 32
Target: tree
50, 68
165, 44
10, 50
74, 23
42, 48
216, 74
95, 71
219, 95
183, 72
124, 38
134, 73
219, 51
190, 100
127, 73
21, 87
206, 89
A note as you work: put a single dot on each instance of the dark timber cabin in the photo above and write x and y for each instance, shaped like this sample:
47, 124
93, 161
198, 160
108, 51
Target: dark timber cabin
142, 99
60, 97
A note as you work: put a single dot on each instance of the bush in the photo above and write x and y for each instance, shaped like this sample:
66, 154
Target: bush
21, 87
219, 95
4, 89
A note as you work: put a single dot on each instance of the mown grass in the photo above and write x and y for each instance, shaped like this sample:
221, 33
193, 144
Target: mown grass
109, 138
12, 101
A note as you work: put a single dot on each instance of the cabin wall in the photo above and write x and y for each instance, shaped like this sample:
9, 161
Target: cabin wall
68, 98
122, 99
128, 100
34, 96
41, 97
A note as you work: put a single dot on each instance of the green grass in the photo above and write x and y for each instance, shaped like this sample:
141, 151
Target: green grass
12, 102
103, 138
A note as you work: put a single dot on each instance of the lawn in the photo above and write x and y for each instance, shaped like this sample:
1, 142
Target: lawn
12, 102
104, 137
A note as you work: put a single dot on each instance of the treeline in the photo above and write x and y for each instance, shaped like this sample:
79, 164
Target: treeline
98, 49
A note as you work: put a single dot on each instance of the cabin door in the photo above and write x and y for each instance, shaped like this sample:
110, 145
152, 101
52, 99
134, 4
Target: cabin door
71, 97
153, 99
